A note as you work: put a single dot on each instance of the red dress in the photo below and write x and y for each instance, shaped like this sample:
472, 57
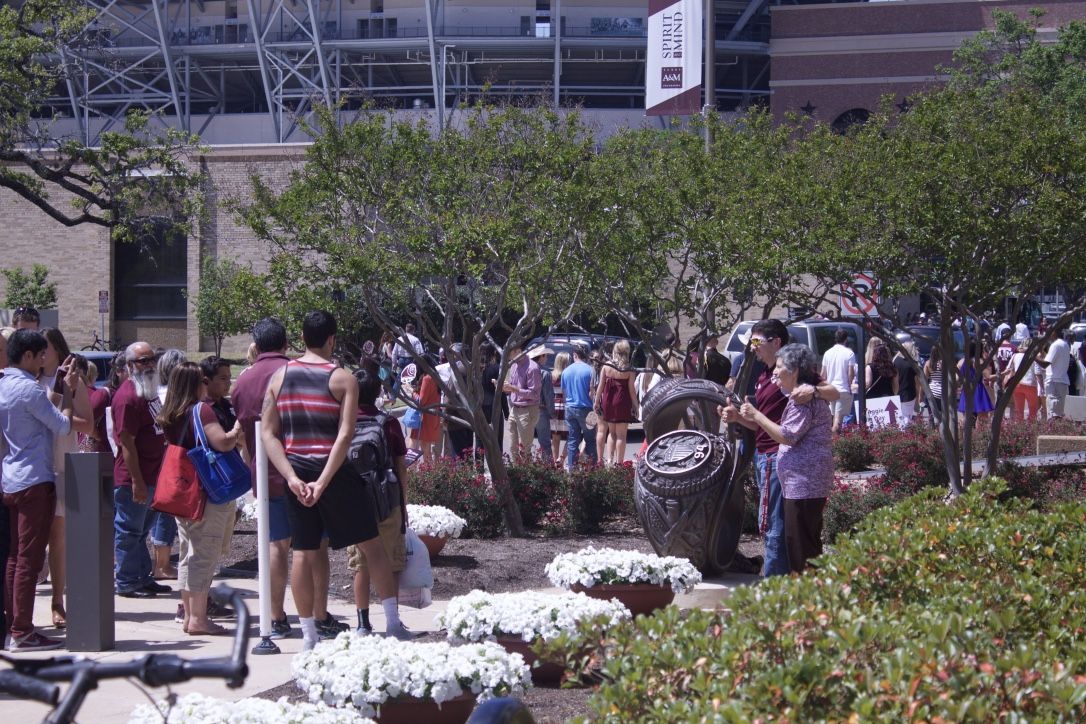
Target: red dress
615, 402
430, 432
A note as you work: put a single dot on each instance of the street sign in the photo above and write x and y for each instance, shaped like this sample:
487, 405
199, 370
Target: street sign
103, 302
860, 296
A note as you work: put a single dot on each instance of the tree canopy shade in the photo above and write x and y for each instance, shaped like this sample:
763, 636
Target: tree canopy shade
130, 173
470, 233
977, 194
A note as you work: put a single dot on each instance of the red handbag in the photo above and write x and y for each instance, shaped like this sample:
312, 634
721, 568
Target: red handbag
178, 491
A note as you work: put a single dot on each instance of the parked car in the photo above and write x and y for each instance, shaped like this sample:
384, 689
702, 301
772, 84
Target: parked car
564, 342
924, 336
103, 361
818, 334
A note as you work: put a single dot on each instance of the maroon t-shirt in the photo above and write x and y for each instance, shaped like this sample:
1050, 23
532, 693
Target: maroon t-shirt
135, 415
248, 399
397, 446
182, 433
99, 402
771, 402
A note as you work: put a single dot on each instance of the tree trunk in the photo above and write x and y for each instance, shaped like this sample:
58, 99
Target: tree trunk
499, 475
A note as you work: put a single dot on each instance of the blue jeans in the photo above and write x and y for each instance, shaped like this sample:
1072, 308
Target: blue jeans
577, 431
776, 554
163, 528
131, 525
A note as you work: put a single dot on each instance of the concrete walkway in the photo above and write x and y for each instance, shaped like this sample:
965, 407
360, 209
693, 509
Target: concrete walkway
147, 626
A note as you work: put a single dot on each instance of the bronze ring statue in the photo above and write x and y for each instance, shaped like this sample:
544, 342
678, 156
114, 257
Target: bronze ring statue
688, 486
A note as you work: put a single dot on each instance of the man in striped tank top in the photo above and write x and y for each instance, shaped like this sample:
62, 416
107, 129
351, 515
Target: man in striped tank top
308, 422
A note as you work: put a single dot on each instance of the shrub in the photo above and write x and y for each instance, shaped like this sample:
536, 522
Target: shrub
460, 486
912, 457
535, 486
849, 504
971, 611
588, 496
852, 450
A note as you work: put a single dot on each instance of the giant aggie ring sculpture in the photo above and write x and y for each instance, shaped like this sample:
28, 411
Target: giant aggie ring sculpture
688, 486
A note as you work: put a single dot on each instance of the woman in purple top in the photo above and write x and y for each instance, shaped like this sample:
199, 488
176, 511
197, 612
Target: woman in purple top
805, 459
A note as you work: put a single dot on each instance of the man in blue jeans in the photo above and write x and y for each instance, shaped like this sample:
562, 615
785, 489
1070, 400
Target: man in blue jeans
141, 445
766, 339
577, 388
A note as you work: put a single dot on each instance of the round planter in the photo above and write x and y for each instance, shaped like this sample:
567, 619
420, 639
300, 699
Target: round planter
640, 598
409, 710
545, 673
434, 544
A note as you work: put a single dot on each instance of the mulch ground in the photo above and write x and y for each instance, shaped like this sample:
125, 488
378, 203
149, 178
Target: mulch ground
496, 565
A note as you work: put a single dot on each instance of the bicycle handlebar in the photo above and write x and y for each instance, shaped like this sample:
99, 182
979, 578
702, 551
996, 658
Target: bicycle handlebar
28, 678
27, 687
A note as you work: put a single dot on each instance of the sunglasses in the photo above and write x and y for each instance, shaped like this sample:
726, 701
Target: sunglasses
144, 361
756, 342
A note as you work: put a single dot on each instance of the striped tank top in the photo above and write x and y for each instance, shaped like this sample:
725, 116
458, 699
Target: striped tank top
307, 409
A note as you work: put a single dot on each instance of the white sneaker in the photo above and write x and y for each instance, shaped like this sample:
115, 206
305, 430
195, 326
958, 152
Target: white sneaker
402, 633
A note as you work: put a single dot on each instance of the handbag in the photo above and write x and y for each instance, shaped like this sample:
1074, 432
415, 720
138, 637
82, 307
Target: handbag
178, 491
224, 475
412, 419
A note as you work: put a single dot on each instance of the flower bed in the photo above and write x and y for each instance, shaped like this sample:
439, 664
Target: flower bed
482, 616
200, 709
602, 566
365, 671
435, 520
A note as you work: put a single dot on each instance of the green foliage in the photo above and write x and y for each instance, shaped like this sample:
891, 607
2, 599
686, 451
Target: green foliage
588, 496
29, 290
108, 182
231, 298
970, 611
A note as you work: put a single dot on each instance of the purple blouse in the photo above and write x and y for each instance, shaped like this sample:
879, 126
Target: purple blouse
805, 463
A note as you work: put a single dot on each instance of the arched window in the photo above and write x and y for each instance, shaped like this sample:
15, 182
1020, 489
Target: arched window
850, 118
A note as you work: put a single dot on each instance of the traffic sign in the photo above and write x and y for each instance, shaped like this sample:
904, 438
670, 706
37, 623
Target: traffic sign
860, 296
103, 302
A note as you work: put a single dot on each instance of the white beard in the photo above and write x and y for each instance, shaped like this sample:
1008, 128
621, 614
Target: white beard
146, 384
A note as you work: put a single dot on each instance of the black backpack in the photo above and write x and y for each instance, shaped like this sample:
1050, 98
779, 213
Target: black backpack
370, 458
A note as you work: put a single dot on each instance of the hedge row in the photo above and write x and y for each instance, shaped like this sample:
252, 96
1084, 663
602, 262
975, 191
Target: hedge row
969, 611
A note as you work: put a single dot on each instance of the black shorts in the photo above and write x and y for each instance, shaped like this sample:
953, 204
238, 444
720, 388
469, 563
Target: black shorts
344, 511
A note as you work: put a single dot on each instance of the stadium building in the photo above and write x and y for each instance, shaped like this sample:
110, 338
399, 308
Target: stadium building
242, 73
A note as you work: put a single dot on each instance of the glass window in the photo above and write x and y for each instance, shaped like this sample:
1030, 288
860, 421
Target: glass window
152, 273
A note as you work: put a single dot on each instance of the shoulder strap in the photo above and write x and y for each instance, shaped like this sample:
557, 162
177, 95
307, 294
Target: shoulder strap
198, 427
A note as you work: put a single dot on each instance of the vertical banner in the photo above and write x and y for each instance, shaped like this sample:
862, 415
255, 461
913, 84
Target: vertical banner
673, 64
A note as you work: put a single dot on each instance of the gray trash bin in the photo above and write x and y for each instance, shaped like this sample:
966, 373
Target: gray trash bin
88, 509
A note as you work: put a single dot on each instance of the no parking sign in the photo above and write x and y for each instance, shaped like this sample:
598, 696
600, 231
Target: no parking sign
860, 296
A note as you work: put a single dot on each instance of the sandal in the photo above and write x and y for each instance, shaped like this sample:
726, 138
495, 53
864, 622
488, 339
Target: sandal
60, 618
213, 630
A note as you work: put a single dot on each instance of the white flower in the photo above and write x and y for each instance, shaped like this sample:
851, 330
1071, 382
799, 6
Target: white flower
594, 566
365, 671
247, 506
528, 615
200, 709
435, 520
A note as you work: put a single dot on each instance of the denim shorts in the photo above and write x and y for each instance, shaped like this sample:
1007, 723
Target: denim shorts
279, 522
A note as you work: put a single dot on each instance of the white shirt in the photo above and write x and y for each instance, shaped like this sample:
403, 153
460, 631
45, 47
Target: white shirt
999, 331
1058, 358
838, 365
399, 351
1016, 361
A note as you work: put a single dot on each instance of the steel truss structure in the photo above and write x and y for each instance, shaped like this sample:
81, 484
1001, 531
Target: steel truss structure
190, 61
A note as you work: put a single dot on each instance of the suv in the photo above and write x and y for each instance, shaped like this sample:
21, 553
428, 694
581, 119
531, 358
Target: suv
818, 334
564, 342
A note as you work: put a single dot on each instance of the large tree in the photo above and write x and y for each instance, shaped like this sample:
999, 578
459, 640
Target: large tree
127, 175
469, 232
975, 199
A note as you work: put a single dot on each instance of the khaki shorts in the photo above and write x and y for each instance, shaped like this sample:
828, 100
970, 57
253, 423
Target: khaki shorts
392, 539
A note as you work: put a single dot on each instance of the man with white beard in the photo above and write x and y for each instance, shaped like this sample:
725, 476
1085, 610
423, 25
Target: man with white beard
141, 446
